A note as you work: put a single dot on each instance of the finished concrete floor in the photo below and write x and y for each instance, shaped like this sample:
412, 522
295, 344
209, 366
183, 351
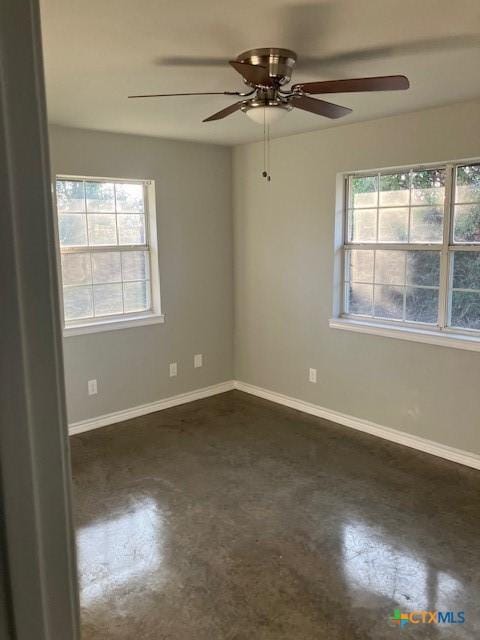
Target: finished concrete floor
233, 518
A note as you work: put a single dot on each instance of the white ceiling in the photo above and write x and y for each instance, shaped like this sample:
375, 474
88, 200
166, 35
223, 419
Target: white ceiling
99, 51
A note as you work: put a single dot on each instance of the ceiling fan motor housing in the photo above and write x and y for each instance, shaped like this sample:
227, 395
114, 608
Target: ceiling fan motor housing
267, 98
279, 62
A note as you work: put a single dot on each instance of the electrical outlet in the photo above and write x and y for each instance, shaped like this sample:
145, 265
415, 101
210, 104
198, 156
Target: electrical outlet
312, 375
173, 369
198, 360
92, 388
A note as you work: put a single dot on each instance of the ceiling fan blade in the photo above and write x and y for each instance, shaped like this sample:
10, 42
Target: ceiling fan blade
253, 73
426, 45
320, 107
305, 29
200, 93
191, 61
225, 112
378, 83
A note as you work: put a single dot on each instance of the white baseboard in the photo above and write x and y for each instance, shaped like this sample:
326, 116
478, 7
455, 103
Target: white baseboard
415, 442
151, 407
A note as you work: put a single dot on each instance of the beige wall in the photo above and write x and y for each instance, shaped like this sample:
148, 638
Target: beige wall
193, 191
283, 274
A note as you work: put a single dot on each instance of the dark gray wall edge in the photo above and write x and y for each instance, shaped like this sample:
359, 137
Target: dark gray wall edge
39, 579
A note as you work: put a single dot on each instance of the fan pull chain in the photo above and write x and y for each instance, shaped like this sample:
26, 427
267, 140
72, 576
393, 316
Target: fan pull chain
269, 177
266, 149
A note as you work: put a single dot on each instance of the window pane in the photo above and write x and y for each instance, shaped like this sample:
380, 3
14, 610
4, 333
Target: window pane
360, 299
466, 270
467, 223
103, 213
108, 299
468, 184
129, 198
70, 196
362, 225
77, 303
390, 267
408, 207
76, 268
106, 267
465, 305
389, 302
422, 305
423, 268
135, 265
136, 296
428, 187
359, 267
465, 310
426, 224
363, 191
394, 190
102, 229
100, 196
131, 229
393, 225
72, 229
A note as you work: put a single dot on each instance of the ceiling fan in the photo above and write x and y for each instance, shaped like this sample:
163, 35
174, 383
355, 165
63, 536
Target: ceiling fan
265, 71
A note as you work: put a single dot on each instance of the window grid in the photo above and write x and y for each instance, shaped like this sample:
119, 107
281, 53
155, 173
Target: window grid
448, 248
380, 207
121, 249
407, 285
113, 282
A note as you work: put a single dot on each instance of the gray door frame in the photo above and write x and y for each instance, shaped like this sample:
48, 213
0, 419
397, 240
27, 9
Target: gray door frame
38, 584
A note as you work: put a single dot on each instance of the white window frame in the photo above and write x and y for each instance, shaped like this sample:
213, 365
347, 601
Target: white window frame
440, 334
127, 320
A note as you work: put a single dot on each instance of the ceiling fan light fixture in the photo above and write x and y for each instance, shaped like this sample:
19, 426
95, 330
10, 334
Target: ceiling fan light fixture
268, 115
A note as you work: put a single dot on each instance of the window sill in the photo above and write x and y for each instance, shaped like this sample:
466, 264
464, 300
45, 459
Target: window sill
112, 324
439, 338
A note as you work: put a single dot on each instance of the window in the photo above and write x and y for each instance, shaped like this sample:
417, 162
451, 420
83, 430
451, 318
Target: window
107, 239
411, 250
